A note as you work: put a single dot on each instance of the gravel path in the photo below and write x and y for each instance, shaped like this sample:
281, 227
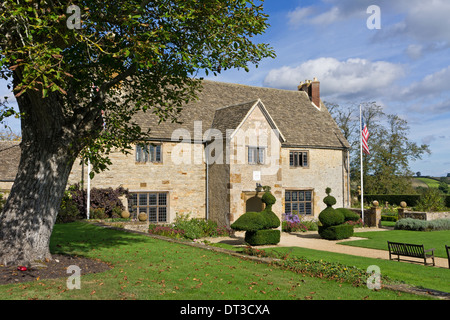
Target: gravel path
312, 240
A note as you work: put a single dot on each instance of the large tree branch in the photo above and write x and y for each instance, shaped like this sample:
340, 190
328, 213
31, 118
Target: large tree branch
109, 84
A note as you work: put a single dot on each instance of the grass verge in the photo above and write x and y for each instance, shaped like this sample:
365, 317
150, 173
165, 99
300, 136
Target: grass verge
146, 268
412, 274
378, 240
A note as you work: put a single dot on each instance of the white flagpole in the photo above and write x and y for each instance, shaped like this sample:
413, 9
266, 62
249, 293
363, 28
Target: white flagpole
361, 156
88, 203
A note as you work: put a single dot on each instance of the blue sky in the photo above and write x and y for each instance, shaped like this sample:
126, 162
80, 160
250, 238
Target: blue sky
403, 66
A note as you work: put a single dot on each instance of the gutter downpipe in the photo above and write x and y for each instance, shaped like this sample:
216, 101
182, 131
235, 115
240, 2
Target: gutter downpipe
207, 180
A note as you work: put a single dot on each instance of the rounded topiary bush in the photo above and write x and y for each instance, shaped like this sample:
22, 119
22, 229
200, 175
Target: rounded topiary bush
263, 237
341, 231
330, 217
249, 221
348, 214
253, 221
329, 200
268, 199
270, 219
259, 225
332, 220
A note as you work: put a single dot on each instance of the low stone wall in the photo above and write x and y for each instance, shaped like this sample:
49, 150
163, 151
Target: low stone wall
138, 226
428, 216
131, 225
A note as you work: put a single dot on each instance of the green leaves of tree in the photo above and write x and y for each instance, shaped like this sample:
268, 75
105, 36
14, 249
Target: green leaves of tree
141, 55
386, 169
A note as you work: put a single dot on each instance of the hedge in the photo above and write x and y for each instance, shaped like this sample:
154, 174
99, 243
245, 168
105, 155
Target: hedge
410, 199
389, 218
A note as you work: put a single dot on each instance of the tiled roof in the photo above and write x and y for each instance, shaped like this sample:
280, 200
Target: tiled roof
301, 123
223, 106
231, 116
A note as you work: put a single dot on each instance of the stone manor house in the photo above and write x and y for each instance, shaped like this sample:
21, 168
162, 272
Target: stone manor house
231, 141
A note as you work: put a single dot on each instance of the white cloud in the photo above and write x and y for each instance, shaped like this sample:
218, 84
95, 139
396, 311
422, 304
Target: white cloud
429, 20
299, 15
426, 22
314, 15
327, 17
414, 51
431, 85
345, 79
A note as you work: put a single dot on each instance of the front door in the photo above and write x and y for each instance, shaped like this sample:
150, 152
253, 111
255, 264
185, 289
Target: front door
254, 204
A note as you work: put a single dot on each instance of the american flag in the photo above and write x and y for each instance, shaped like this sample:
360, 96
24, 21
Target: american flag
364, 137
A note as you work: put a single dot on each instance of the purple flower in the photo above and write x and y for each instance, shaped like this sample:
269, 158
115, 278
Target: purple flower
293, 218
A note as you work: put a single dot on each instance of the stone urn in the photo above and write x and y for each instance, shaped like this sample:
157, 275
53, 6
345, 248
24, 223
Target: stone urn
142, 217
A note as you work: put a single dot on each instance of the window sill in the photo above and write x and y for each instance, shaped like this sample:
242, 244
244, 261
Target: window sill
148, 162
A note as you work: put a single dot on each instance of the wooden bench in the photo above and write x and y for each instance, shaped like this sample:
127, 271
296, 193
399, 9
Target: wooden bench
410, 250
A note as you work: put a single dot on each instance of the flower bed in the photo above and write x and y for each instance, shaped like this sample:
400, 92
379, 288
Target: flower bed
316, 268
189, 228
166, 231
294, 223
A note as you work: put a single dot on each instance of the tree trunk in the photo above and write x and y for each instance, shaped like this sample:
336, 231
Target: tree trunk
31, 209
51, 141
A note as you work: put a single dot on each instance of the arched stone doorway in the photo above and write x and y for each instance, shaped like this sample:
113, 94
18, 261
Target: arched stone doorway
254, 204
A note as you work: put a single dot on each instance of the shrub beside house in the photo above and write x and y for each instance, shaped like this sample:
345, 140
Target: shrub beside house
333, 226
259, 226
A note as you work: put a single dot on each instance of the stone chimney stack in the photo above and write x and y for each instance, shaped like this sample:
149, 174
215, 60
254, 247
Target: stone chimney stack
312, 88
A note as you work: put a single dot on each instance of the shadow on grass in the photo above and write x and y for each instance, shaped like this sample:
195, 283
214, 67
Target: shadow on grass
81, 238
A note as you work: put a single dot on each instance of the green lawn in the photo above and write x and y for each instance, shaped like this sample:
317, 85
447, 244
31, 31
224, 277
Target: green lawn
148, 268
378, 239
409, 273
413, 274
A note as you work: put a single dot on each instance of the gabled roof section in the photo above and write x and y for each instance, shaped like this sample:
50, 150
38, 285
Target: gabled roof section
301, 123
233, 117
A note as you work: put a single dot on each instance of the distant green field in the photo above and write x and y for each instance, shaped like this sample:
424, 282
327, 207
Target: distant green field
431, 183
